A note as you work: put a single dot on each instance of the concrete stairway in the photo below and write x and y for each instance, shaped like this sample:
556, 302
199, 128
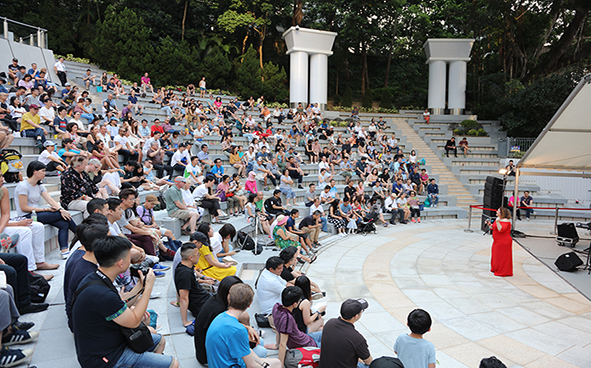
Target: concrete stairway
438, 167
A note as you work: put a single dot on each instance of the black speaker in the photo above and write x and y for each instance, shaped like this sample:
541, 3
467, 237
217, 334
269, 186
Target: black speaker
568, 262
493, 193
567, 234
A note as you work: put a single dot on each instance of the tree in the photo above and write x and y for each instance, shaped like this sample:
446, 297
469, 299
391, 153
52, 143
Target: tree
275, 83
248, 75
216, 68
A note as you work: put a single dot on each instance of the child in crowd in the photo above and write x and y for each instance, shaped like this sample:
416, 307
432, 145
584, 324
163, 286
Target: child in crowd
412, 349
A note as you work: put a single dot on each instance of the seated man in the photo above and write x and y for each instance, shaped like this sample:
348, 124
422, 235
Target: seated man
433, 192
342, 345
99, 307
227, 342
288, 334
273, 204
270, 284
82, 262
391, 206
464, 146
361, 167
526, 201
89, 78
450, 145
303, 236
176, 206
17, 276
191, 295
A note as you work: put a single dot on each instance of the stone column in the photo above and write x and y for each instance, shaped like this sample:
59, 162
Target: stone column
440, 52
456, 92
437, 78
319, 80
300, 43
298, 78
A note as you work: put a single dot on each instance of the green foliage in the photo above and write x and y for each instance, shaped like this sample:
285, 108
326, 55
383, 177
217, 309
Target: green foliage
367, 101
122, 43
469, 124
249, 75
336, 100
275, 83
347, 100
216, 68
386, 100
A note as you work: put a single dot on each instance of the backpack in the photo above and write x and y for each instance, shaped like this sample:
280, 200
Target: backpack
302, 357
244, 241
39, 287
162, 205
386, 362
11, 164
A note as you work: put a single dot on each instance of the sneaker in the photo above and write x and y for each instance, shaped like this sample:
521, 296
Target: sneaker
343, 235
12, 357
528, 219
19, 337
261, 332
65, 255
159, 274
223, 217
33, 308
266, 189
317, 296
419, 221
300, 187
385, 224
22, 325
160, 267
154, 295
224, 214
412, 219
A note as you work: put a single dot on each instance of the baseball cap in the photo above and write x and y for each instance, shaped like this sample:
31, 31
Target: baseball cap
150, 198
259, 158
67, 84
48, 143
15, 59
200, 237
180, 179
33, 106
352, 307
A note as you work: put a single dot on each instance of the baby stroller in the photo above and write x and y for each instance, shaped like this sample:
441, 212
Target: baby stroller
11, 164
368, 224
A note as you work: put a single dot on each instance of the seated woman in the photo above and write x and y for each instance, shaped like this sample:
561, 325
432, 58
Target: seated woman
228, 196
372, 178
107, 180
335, 218
29, 194
284, 238
72, 133
250, 212
208, 263
290, 256
307, 321
251, 183
98, 151
220, 242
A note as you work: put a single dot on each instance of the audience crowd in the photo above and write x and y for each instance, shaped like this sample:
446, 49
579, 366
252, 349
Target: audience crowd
110, 155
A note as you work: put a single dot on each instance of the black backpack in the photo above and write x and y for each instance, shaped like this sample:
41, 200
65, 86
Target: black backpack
162, 205
39, 288
244, 241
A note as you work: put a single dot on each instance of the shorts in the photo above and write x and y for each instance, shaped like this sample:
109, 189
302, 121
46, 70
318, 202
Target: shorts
131, 359
202, 88
181, 214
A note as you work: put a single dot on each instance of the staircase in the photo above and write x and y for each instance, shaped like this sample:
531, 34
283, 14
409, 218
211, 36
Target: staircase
446, 177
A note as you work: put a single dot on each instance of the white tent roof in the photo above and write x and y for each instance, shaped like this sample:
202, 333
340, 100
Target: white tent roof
565, 143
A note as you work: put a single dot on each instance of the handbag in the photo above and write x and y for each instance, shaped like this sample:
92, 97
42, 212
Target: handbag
222, 195
139, 339
262, 320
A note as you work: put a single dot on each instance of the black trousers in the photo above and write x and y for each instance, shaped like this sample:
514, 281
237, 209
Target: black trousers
397, 212
213, 205
127, 155
161, 168
274, 178
454, 150
17, 276
63, 78
296, 175
175, 168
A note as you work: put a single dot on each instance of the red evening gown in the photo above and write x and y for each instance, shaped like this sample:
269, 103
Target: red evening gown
501, 262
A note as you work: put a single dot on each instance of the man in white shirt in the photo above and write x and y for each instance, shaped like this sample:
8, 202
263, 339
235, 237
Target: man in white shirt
50, 158
47, 113
391, 206
270, 285
126, 150
60, 70
150, 141
179, 160
317, 206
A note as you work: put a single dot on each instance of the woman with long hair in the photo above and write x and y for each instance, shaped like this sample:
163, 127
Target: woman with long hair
307, 321
501, 261
208, 263
29, 193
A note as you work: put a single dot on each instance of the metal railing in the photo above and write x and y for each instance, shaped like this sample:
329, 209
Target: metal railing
517, 147
24, 33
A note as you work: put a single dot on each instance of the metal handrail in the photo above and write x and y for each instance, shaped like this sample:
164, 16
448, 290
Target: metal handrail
23, 24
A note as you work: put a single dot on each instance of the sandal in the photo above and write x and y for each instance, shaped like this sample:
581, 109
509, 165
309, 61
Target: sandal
313, 259
7, 242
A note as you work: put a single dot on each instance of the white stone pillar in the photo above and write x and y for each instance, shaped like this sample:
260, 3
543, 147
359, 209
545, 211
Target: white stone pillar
298, 78
456, 91
300, 43
437, 74
319, 80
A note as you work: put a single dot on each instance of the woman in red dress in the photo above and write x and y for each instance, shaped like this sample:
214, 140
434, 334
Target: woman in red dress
501, 262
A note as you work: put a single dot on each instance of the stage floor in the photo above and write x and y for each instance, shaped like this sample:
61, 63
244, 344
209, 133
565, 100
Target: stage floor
533, 319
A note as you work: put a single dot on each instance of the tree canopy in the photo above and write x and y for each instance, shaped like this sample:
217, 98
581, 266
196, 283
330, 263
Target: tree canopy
379, 47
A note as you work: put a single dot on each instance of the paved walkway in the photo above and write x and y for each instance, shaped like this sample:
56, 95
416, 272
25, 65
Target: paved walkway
533, 319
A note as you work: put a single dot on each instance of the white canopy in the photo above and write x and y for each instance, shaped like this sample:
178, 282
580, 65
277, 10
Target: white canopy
565, 143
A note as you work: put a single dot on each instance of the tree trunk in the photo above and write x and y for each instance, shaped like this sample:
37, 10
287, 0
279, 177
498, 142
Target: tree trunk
184, 18
244, 44
389, 58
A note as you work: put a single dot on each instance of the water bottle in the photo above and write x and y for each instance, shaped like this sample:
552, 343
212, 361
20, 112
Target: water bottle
34, 216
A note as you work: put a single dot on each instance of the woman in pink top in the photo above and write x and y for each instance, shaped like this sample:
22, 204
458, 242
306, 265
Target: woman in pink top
146, 83
26, 82
218, 102
251, 183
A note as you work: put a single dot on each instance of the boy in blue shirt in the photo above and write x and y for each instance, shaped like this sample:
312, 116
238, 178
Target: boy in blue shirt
412, 349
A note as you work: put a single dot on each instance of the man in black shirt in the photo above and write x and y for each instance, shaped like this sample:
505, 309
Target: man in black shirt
311, 225
98, 307
191, 295
349, 191
342, 344
450, 145
361, 167
273, 204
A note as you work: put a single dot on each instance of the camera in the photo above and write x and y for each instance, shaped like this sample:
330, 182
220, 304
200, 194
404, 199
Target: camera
144, 266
